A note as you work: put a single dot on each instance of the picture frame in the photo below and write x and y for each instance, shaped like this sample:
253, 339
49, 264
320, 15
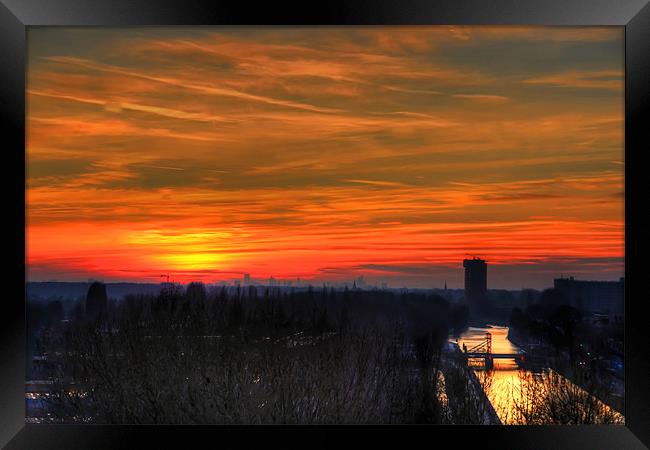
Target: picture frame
17, 15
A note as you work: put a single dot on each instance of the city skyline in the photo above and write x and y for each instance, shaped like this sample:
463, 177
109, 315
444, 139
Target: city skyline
246, 279
391, 153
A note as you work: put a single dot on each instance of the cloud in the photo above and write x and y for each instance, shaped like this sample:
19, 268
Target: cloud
185, 84
598, 79
293, 152
158, 167
379, 183
72, 126
537, 33
483, 98
337, 60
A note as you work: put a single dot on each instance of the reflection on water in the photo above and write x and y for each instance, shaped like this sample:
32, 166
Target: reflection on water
500, 344
513, 392
505, 379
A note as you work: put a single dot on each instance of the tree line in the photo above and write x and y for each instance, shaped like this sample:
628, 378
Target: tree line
254, 355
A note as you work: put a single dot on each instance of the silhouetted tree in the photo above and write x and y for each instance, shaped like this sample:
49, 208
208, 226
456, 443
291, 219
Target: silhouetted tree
196, 292
303, 357
96, 300
459, 317
553, 297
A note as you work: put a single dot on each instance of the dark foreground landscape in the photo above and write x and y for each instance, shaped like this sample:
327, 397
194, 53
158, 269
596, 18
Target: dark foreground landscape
265, 355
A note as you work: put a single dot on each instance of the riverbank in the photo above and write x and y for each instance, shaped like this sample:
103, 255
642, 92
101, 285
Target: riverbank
604, 387
465, 393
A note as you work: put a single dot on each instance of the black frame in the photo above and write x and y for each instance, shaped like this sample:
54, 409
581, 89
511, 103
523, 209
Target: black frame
16, 15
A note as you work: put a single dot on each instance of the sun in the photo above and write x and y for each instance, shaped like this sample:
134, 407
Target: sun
193, 261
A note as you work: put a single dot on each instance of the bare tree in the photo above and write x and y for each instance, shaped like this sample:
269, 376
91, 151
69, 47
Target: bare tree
549, 398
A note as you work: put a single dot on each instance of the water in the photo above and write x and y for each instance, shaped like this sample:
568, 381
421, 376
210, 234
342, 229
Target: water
500, 344
500, 384
507, 386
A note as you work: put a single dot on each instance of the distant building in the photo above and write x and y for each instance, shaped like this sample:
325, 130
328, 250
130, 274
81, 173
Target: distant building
594, 297
475, 280
247, 279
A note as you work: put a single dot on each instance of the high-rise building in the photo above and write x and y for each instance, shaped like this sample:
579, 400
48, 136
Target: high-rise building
247, 279
595, 297
475, 280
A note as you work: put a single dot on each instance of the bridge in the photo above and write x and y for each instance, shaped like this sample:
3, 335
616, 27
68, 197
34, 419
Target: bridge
483, 350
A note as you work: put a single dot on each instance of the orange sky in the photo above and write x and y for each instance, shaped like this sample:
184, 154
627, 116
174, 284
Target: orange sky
325, 153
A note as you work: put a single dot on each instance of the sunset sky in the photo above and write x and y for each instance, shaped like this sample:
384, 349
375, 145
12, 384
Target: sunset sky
325, 153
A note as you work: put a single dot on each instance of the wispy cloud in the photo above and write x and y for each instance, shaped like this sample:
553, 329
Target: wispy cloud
483, 98
324, 152
598, 79
118, 106
376, 183
204, 88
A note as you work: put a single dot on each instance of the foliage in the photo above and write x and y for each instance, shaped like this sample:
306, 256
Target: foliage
243, 356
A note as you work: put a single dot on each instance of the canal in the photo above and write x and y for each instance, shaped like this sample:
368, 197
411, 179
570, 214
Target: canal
511, 389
